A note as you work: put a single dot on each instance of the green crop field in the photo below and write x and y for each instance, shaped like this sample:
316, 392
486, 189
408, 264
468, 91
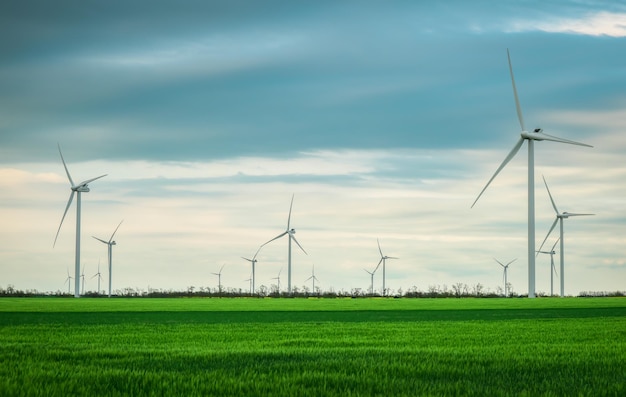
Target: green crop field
313, 347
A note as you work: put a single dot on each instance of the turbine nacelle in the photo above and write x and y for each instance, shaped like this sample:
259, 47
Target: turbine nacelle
81, 188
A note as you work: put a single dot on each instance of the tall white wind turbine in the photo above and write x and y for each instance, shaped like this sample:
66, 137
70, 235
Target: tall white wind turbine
383, 260
313, 278
99, 275
552, 268
291, 233
536, 135
504, 277
559, 218
82, 187
110, 243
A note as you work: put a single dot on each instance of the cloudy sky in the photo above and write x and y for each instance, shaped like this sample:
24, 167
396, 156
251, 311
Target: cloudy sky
383, 119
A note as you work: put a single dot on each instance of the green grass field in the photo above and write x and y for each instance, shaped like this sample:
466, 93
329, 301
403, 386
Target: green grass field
313, 347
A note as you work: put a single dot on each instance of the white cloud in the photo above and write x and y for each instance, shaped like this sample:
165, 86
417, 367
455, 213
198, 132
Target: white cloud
601, 23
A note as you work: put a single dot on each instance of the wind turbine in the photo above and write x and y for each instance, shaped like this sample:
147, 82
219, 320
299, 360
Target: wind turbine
536, 135
506, 268
559, 218
313, 278
291, 233
219, 279
110, 245
83, 277
68, 280
82, 187
249, 280
278, 278
552, 268
383, 260
253, 261
99, 277
371, 280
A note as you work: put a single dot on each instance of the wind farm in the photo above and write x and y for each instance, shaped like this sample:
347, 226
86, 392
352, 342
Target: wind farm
400, 123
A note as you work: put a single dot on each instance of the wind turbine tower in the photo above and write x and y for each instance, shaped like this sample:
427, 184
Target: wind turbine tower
559, 218
291, 233
504, 277
110, 243
82, 187
536, 135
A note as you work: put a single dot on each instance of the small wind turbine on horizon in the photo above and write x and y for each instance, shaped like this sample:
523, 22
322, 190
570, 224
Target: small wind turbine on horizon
278, 278
536, 135
559, 218
383, 260
312, 278
504, 277
291, 233
68, 280
219, 279
82, 187
83, 277
253, 261
250, 281
110, 245
99, 275
371, 280
552, 268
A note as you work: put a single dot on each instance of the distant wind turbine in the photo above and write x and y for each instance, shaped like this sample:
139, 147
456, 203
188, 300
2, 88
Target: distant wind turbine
99, 275
278, 278
559, 218
552, 268
536, 135
68, 280
82, 187
250, 281
291, 233
83, 277
253, 261
219, 279
383, 260
110, 245
313, 278
504, 277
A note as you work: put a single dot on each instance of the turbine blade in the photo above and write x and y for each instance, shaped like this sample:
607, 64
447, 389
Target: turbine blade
550, 231
379, 262
508, 158
511, 261
498, 262
289, 217
67, 207
517, 104
83, 183
379, 250
392, 257
296, 241
555, 243
249, 260
115, 231
275, 238
549, 194
562, 140
65, 166
99, 239
574, 214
